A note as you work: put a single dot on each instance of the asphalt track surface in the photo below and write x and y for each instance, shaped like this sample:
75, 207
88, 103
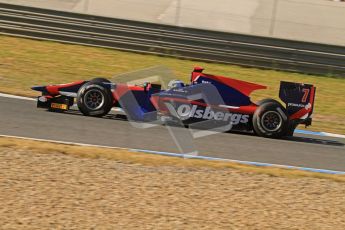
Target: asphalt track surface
22, 118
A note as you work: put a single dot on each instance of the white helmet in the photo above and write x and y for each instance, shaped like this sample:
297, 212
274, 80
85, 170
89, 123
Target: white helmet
175, 84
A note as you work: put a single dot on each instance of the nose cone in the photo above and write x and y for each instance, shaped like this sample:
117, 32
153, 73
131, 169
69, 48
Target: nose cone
39, 88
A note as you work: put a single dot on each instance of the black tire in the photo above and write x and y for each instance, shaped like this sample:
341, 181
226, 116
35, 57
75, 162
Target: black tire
99, 80
270, 120
263, 101
94, 99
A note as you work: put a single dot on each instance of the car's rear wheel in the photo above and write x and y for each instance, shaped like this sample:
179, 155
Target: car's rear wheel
94, 99
270, 120
263, 101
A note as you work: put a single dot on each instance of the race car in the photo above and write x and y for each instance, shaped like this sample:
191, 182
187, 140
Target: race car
206, 101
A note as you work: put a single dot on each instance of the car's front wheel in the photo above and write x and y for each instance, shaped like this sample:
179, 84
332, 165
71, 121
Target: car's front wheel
94, 99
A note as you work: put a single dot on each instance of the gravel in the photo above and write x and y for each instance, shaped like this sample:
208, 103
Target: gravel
56, 191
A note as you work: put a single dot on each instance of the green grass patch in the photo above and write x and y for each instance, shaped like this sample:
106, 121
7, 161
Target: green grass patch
25, 62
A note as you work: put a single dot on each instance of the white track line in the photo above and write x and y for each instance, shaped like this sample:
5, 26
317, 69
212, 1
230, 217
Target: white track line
333, 135
17, 97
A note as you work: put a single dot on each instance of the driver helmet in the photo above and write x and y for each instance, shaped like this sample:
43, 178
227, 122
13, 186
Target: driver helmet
175, 84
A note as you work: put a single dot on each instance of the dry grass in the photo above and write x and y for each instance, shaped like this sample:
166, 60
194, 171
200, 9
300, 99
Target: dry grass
130, 157
24, 63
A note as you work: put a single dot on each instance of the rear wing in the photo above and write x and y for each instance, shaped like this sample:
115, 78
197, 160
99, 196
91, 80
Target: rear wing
299, 99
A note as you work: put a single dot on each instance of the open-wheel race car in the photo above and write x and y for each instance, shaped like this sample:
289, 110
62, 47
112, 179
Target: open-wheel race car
206, 99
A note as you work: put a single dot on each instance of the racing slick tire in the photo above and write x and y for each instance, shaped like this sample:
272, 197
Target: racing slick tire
270, 120
266, 101
99, 80
94, 99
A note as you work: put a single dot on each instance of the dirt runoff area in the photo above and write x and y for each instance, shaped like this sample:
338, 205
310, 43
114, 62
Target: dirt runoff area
57, 191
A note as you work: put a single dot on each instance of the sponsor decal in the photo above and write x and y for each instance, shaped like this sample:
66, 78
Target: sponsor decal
296, 105
307, 106
187, 111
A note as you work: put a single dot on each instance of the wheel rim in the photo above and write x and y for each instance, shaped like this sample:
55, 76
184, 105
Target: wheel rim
94, 99
271, 121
